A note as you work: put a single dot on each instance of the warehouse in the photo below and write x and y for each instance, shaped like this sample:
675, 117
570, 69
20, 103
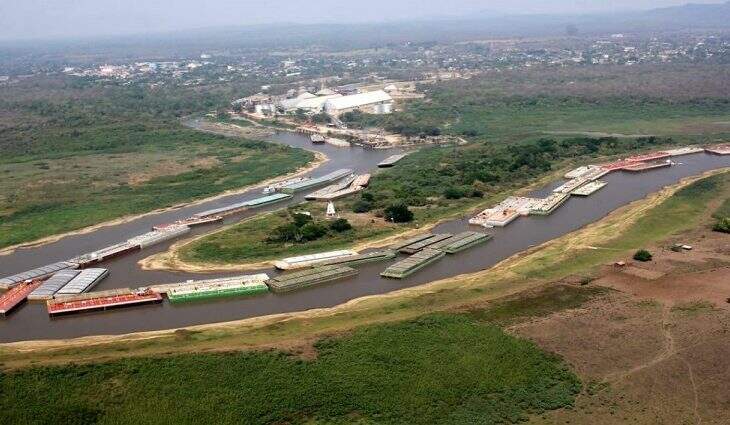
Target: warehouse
375, 102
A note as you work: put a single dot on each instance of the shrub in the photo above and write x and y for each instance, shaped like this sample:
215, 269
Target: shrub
643, 255
313, 231
398, 213
284, 233
722, 226
367, 196
340, 225
453, 193
476, 193
362, 206
301, 219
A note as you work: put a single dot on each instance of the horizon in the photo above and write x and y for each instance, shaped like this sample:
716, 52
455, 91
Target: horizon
39, 20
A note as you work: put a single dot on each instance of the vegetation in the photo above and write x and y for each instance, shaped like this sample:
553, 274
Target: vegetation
442, 368
646, 99
642, 255
436, 178
722, 225
75, 155
398, 213
293, 234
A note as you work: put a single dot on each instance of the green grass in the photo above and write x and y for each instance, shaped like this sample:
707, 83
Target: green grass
445, 369
246, 241
80, 202
682, 211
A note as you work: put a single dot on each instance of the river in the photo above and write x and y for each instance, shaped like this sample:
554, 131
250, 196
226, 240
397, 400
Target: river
31, 322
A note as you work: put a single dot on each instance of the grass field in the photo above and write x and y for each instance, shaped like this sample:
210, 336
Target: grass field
437, 369
76, 153
247, 241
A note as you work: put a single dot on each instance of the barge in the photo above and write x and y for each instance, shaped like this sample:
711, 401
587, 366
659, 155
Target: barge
420, 245
303, 261
646, 166
410, 241
102, 302
240, 206
190, 222
314, 182
461, 242
37, 273
15, 296
412, 264
310, 277
589, 188
155, 237
317, 139
83, 282
548, 205
324, 192
103, 254
391, 160
48, 289
218, 288
370, 257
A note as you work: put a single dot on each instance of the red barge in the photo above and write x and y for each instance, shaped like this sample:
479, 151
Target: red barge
16, 296
101, 302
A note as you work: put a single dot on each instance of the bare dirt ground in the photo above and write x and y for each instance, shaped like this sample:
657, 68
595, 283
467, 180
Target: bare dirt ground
654, 351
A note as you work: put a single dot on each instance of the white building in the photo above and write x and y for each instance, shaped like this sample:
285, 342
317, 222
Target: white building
374, 102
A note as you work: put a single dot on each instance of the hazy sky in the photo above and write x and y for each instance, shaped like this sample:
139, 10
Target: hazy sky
71, 18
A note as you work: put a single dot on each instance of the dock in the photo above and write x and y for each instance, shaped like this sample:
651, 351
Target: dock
589, 188
314, 182
37, 273
218, 288
100, 303
461, 242
412, 264
391, 160
303, 261
425, 243
310, 277
14, 297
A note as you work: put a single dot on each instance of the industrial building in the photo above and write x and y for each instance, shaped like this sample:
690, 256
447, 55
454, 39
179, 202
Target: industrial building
374, 102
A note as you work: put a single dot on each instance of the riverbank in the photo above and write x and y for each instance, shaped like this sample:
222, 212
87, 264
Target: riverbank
571, 254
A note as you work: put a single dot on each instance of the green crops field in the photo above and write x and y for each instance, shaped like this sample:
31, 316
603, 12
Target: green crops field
446, 369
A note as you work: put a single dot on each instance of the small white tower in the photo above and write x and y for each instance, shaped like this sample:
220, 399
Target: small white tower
331, 213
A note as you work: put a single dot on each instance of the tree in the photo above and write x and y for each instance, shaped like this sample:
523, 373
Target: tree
398, 213
313, 231
340, 225
301, 219
643, 255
